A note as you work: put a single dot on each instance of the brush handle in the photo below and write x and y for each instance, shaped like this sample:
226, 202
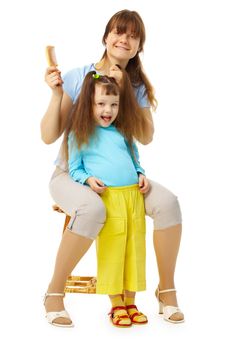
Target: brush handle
51, 56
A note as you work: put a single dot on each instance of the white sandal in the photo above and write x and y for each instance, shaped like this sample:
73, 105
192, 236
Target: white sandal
53, 315
167, 310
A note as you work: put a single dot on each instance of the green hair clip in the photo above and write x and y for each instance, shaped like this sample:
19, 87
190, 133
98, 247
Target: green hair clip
95, 76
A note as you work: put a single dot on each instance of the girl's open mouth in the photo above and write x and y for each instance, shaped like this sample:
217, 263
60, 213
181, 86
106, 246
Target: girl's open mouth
106, 119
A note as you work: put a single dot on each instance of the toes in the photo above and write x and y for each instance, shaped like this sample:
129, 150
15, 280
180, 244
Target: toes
62, 320
140, 319
178, 316
125, 322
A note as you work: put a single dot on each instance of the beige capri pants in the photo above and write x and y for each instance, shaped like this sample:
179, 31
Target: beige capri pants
87, 210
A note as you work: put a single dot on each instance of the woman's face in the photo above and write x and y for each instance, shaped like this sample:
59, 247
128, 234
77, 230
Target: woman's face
105, 107
122, 46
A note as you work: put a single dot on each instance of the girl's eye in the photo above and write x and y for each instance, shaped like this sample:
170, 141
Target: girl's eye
100, 104
114, 105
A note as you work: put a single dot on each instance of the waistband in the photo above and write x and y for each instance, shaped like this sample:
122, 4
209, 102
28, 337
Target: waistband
123, 188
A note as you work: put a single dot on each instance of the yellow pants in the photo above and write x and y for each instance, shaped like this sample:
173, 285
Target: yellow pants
121, 243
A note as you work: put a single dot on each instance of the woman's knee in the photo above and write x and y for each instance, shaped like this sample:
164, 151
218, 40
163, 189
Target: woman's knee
163, 207
88, 220
96, 211
85, 207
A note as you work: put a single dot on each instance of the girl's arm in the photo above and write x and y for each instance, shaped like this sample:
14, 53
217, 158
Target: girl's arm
135, 157
75, 162
77, 170
54, 121
149, 132
143, 183
136, 161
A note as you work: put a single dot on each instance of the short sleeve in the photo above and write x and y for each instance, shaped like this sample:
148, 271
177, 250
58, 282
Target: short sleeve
141, 96
72, 83
73, 80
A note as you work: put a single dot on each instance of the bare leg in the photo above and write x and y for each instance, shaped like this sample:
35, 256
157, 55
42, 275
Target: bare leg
166, 245
72, 248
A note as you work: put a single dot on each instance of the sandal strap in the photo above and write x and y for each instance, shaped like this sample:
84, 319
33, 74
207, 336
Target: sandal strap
166, 290
135, 314
116, 318
51, 316
53, 295
116, 308
168, 311
120, 317
131, 307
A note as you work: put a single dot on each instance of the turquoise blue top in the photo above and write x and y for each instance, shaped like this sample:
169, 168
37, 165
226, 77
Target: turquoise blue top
106, 157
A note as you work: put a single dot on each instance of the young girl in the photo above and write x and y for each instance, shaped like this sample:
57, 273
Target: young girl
124, 38
102, 154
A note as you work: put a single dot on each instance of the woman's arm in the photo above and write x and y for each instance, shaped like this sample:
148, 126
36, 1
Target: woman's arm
149, 131
116, 73
54, 121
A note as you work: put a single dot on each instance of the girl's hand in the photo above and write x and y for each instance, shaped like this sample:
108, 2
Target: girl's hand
116, 73
143, 183
96, 184
54, 80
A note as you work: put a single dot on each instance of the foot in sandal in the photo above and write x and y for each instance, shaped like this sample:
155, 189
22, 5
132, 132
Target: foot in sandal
119, 317
136, 316
168, 305
55, 311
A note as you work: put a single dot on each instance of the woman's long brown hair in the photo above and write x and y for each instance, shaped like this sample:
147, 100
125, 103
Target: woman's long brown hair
121, 21
129, 120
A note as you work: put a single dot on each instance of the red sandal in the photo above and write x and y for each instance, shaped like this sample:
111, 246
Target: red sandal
135, 314
117, 318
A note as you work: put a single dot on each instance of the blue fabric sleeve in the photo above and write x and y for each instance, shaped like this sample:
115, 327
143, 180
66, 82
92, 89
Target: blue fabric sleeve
136, 162
76, 167
141, 96
73, 80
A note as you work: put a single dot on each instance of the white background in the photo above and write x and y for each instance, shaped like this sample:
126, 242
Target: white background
188, 58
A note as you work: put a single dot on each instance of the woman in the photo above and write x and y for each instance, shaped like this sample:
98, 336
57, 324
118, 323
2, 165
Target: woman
124, 38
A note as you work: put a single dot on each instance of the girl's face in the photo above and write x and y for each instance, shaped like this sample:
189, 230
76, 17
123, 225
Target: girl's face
105, 108
122, 46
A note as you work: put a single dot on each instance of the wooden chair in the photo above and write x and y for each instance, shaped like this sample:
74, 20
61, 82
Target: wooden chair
77, 284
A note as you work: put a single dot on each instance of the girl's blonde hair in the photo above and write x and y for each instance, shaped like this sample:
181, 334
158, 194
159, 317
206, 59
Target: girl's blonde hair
122, 21
129, 121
